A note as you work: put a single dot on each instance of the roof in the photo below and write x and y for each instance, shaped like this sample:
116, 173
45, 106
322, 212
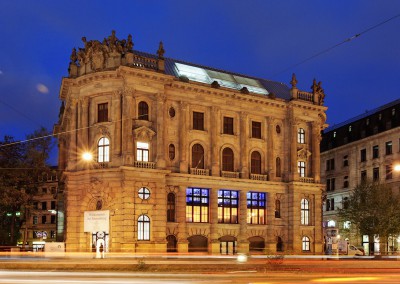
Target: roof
279, 89
362, 116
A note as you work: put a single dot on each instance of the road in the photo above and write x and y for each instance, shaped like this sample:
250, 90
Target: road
33, 277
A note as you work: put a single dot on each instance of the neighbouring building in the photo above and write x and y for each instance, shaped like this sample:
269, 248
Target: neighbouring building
364, 147
186, 158
40, 225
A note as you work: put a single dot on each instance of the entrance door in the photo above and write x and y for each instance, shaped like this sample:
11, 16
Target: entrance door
100, 243
227, 245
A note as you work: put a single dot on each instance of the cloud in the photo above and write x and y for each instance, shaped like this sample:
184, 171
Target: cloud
42, 88
1, 72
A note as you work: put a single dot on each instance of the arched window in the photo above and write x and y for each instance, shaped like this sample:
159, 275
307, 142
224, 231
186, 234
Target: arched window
305, 212
143, 228
171, 151
256, 163
171, 207
277, 208
227, 160
143, 111
305, 243
103, 153
279, 244
301, 136
197, 156
278, 167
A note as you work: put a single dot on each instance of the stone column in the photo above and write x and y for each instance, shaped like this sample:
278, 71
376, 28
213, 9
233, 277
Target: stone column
243, 243
72, 155
183, 147
214, 242
83, 123
293, 150
161, 163
127, 137
244, 161
316, 138
181, 219
214, 140
269, 122
115, 116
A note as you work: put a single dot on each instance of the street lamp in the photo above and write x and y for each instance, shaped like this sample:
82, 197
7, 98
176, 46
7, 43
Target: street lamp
87, 156
396, 168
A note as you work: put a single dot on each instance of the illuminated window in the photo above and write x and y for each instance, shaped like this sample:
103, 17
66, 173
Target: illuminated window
228, 203
301, 136
171, 207
103, 153
331, 223
256, 208
306, 243
197, 204
301, 166
346, 225
144, 193
255, 163
143, 228
197, 156
142, 151
143, 111
305, 212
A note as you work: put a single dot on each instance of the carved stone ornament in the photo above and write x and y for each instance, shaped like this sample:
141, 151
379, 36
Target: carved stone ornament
303, 154
143, 133
104, 131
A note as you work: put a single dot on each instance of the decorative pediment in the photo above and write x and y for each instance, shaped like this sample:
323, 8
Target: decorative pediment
143, 133
303, 154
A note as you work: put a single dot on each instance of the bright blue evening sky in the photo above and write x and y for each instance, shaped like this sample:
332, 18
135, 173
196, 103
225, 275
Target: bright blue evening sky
260, 38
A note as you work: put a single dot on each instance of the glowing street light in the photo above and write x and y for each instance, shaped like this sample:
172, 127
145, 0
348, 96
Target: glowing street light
396, 168
87, 156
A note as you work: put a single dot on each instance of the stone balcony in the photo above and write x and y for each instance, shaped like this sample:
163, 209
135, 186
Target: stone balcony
144, 165
259, 177
306, 179
200, 172
226, 174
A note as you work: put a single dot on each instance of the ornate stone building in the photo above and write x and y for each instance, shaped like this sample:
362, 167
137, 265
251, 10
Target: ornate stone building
364, 147
186, 158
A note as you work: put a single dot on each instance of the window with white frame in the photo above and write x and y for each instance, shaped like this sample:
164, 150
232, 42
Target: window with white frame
143, 228
305, 243
301, 166
103, 153
305, 212
142, 151
301, 136
144, 193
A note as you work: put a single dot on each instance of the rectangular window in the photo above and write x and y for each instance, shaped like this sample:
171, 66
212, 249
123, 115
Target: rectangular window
228, 125
330, 164
301, 166
363, 155
198, 120
44, 219
332, 204
375, 174
256, 208
363, 176
44, 190
44, 205
228, 204
330, 184
256, 129
345, 161
389, 149
53, 205
53, 219
52, 234
389, 171
102, 112
375, 152
36, 205
197, 204
35, 220
142, 151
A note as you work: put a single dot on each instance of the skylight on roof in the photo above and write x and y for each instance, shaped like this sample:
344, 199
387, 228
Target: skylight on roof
224, 79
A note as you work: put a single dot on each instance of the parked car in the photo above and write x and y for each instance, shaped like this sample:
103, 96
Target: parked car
353, 250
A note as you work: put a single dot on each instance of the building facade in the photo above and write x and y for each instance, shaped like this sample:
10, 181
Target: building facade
41, 220
186, 158
366, 147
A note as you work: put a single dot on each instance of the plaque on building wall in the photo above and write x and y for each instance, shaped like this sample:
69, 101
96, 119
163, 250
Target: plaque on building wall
95, 221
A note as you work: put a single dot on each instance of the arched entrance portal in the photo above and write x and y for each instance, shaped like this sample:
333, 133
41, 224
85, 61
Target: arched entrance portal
227, 245
257, 244
198, 243
171, 243
100, 243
